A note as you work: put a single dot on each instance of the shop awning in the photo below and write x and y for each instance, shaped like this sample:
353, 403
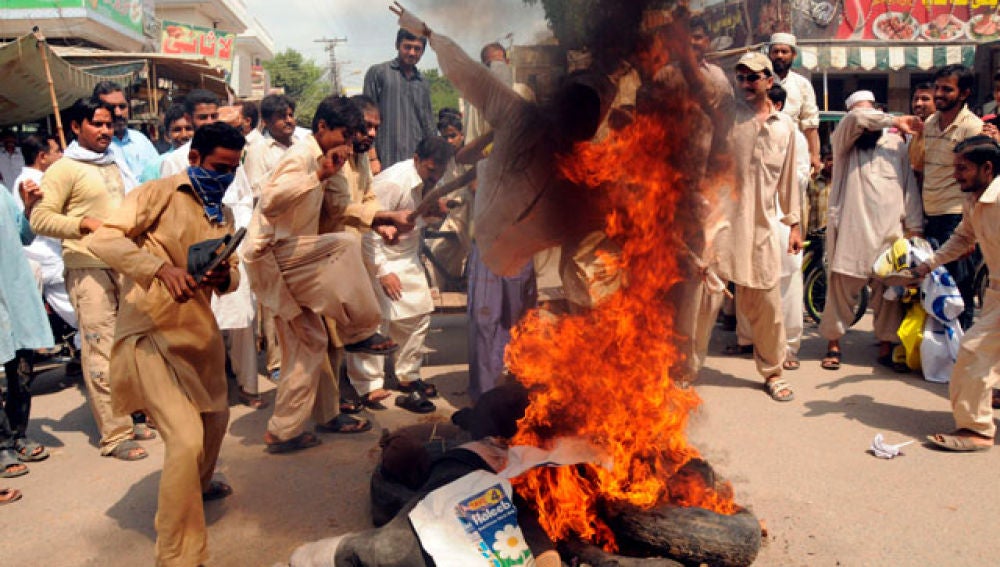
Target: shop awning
844, 56
193, 70
24, 96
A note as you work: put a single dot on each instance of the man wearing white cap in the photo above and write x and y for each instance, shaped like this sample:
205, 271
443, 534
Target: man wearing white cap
874, 200
801, 102
762, 145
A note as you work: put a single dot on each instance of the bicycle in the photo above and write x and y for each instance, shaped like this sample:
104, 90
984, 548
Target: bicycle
814, 279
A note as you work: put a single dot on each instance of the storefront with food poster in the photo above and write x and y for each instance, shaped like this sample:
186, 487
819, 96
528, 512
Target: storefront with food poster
886, 46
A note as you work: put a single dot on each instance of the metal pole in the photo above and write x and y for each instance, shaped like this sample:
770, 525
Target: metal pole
52, 88
826, 92
156, 88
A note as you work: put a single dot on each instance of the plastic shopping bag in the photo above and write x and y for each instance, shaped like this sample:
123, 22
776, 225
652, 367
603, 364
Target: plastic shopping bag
940, 296
911, 333
471, 521
939, 349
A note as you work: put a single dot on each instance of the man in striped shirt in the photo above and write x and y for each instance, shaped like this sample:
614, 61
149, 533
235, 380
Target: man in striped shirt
403, 96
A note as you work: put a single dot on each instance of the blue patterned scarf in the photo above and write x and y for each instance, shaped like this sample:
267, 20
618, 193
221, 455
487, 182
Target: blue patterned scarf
210, 187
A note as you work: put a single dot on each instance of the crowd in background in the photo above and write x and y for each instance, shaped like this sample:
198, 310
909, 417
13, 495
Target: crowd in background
333, 284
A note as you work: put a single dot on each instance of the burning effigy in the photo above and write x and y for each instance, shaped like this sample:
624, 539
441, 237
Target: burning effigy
626, 169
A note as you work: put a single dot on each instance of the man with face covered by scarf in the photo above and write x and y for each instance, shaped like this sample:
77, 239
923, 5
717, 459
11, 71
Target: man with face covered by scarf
168, 357
873, 201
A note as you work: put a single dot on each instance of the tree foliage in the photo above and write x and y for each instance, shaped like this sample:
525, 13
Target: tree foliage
302, 80
443, 93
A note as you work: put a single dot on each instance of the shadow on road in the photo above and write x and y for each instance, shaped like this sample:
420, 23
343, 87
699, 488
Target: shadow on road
882, 416
712, 377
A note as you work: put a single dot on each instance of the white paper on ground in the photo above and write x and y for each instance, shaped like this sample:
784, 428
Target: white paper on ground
883, 450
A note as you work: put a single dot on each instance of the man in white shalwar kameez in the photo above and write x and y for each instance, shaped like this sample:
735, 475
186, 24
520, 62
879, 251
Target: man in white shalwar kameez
874, 200
399, 279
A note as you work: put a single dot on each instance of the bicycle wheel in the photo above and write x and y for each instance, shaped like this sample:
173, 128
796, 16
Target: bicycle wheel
863, 298
814, 293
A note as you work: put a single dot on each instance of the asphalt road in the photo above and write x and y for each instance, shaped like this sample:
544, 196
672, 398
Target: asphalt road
802, 467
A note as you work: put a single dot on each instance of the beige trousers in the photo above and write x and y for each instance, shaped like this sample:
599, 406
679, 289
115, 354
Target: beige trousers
94, 294
241, 348
761, 309
367, 371
791, 314
308, 385
697, 309
842, 295
192, 440
977, 370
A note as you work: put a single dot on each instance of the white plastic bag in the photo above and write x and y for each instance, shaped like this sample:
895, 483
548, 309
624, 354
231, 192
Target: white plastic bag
939, 349
471, 521
940, 296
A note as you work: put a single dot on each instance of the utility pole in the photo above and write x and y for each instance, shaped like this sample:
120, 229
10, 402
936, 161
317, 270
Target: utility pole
333, 64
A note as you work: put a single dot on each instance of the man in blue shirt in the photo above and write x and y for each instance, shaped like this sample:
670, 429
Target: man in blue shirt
131, 146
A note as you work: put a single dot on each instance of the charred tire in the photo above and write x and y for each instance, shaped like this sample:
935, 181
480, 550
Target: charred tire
692, 535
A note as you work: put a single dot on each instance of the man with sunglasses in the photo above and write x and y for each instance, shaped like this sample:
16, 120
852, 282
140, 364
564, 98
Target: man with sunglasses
133, 146
762, 144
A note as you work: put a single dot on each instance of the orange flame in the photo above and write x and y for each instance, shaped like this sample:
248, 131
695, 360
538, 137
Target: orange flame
605, 374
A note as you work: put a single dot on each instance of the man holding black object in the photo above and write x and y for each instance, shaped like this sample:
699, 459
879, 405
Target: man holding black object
168, 355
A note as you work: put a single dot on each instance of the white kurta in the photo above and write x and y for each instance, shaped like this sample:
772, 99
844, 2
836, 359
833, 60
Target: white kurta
873, 197
399, 188
236, 310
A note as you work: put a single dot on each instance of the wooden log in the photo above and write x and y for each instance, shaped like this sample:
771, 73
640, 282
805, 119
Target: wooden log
690, 535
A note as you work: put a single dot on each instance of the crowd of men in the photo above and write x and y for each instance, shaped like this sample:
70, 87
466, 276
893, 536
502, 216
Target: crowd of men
329, 279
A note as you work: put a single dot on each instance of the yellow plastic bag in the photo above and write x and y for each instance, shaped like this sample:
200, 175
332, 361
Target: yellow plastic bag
911, 333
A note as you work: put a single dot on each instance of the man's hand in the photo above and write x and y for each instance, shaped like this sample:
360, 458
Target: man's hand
908, 124
178, 282
922, 270
30, 193
392, 286
89, 224
333, 160
400, 219
410, 22
388, 233
990, 129
795, 239
815, 165
217, 278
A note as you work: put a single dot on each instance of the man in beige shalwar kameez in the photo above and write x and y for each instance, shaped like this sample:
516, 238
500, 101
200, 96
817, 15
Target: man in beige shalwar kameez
762, 143
977, 165
874, 200
303, 275
168, 357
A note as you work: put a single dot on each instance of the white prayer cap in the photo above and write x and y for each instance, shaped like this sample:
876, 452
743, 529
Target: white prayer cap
859, 96
782, 38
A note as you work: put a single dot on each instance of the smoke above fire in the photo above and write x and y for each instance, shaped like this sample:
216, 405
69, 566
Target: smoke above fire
474, 24
616, 374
